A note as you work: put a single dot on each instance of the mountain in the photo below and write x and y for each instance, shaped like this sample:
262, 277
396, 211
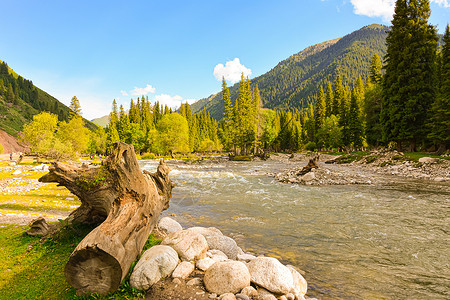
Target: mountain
20, 100
294, 82
102, 121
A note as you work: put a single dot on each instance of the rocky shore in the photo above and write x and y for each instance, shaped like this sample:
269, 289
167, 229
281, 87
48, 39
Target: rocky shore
374, 168
202, 263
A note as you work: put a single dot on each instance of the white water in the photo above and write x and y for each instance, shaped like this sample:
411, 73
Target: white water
354, 242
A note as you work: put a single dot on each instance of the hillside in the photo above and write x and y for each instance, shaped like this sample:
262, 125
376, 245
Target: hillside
294, 82
20, 100
102, 121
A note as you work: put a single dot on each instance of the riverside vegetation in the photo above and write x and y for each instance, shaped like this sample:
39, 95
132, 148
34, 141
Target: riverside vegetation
384, 105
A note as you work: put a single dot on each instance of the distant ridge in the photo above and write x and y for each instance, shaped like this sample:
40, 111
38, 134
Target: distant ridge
294, 82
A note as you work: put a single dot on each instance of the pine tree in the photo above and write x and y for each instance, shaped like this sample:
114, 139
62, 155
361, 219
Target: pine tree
10, 94
409, 82
75, 108
355, 124
375, 70
344, 116
257, 116
339, 95
228, 116
439, 123
319, 112
328, 100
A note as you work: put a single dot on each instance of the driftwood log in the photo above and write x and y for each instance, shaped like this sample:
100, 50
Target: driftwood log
312, 164
126, 201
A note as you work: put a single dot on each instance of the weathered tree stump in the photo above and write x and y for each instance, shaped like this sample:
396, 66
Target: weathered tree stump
127, 203
312, 164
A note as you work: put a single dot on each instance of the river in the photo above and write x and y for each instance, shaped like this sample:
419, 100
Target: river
353, 242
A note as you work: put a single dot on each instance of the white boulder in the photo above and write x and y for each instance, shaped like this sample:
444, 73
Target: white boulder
189, 245
225, 244
300, 286
157, 262
226, 277
183, 270
169, 225
270, 274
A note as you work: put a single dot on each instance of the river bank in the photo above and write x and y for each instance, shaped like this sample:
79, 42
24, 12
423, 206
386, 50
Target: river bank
378, 167
354, 241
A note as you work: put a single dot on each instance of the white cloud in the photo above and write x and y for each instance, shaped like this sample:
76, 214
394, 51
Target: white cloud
189, 101
124, 93
142, 91
374, 8
383, 8
231, 71
170, 101
444, 3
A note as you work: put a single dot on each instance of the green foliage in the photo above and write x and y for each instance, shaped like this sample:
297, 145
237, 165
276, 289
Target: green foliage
409, 87
49, 138
148, 156
75, 107
173, 133
351, 157
439, 122
311, 146
89, 181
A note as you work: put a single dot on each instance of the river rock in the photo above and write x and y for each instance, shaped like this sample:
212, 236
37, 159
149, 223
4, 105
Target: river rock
189, 245
300, 286
428, 160
225, 244
217, 255
226, 277
242, 297
290, 296
157, 262
227, 296
169, 225
270, 274
245, 257
183, 270
249, 291
41, 167
17, 172
194, 281
264, 294
206, 231
308, 176
204, 263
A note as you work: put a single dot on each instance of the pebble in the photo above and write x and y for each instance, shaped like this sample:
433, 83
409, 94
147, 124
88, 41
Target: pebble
194, 281
242, 297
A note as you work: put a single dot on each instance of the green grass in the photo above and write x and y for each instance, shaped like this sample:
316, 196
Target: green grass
416, 155
241, 158
351, 157
32, 268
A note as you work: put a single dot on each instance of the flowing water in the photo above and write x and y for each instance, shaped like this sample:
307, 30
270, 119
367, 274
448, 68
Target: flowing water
353, 242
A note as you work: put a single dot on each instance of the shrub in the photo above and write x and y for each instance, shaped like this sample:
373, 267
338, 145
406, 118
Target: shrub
148, 156
311, 146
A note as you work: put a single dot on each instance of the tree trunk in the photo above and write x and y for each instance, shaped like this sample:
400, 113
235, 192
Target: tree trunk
312, 164
126, 200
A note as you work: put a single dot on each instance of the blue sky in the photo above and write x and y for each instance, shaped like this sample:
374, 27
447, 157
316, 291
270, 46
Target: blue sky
171, 51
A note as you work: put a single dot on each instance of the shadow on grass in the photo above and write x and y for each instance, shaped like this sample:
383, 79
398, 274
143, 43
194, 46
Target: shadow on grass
34, 268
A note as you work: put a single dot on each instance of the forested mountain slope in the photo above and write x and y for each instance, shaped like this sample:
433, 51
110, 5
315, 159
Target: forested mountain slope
294, 82
20, 100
